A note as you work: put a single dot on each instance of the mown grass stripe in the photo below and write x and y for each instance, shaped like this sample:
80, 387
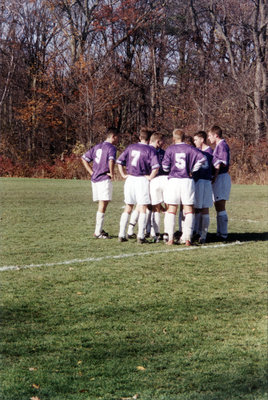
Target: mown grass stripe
119, 256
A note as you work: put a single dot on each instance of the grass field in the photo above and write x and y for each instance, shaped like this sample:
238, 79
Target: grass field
93, 319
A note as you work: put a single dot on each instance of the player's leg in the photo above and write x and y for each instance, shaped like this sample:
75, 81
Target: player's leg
102, 192
188, 196
142, 194
205, 220
198, 204
156, 221
197, 222
188, 210
123, 222
129, 201
132, 223
142, 221
222, 219
102, 206
169, 222
156, 193
206, 203
221, 193
181, 219
148, 224
172, 197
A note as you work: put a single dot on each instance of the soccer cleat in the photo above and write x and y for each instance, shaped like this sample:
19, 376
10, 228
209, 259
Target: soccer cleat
133, 236
156, 239
122, 239
221, 238
103, 235
177, 235
142, 241
165, 237
188, 243
196, 237
201, 240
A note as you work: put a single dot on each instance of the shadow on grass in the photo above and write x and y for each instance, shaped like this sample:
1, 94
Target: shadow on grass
240, 236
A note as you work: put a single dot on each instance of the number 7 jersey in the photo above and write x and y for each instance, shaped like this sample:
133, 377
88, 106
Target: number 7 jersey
139, 159
181, 160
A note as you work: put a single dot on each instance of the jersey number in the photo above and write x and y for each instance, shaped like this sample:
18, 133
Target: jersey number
98, 156
135, 154
180, 160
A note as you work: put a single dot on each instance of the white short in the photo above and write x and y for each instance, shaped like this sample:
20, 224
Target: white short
137, 190
180, 191
157, 187
222, 187
102, 190
203, 194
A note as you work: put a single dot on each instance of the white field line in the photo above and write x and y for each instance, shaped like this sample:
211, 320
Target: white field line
119, 256
245, 220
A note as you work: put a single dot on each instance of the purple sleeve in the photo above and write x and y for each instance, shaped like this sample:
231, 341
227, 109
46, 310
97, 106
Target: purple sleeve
88, 156
154, 162
198, 159
112, 153
122, 159
205, 172
221, 155
166, 161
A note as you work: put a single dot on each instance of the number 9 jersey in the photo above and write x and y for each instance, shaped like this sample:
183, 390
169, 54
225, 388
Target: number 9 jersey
100, 154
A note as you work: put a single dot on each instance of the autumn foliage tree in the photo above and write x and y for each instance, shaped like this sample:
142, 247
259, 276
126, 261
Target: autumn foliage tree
69, 68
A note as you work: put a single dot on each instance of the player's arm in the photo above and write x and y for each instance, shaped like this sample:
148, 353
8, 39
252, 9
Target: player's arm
198, 164
111, 168
216, 172
152, 174
218, 161
87, 166
122, 171
154, 167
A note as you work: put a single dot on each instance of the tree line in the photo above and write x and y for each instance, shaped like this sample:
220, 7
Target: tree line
70, 68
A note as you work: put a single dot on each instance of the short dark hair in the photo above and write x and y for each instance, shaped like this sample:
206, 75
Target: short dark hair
202, 134
216, 130
111, 131
188, 139
146, 133
156, 136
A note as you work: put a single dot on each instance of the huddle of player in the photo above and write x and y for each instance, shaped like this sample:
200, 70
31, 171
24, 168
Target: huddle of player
188, 176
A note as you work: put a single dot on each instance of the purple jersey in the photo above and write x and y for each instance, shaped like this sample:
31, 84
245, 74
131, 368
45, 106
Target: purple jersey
139, 159
100, 154
181, 160
205, 172
221, 155
160, 155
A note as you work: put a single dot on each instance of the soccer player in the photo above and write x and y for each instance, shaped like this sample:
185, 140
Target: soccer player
188, 139
157, 186
180, 160
203, 187
221, 182
141, 163
99, 161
